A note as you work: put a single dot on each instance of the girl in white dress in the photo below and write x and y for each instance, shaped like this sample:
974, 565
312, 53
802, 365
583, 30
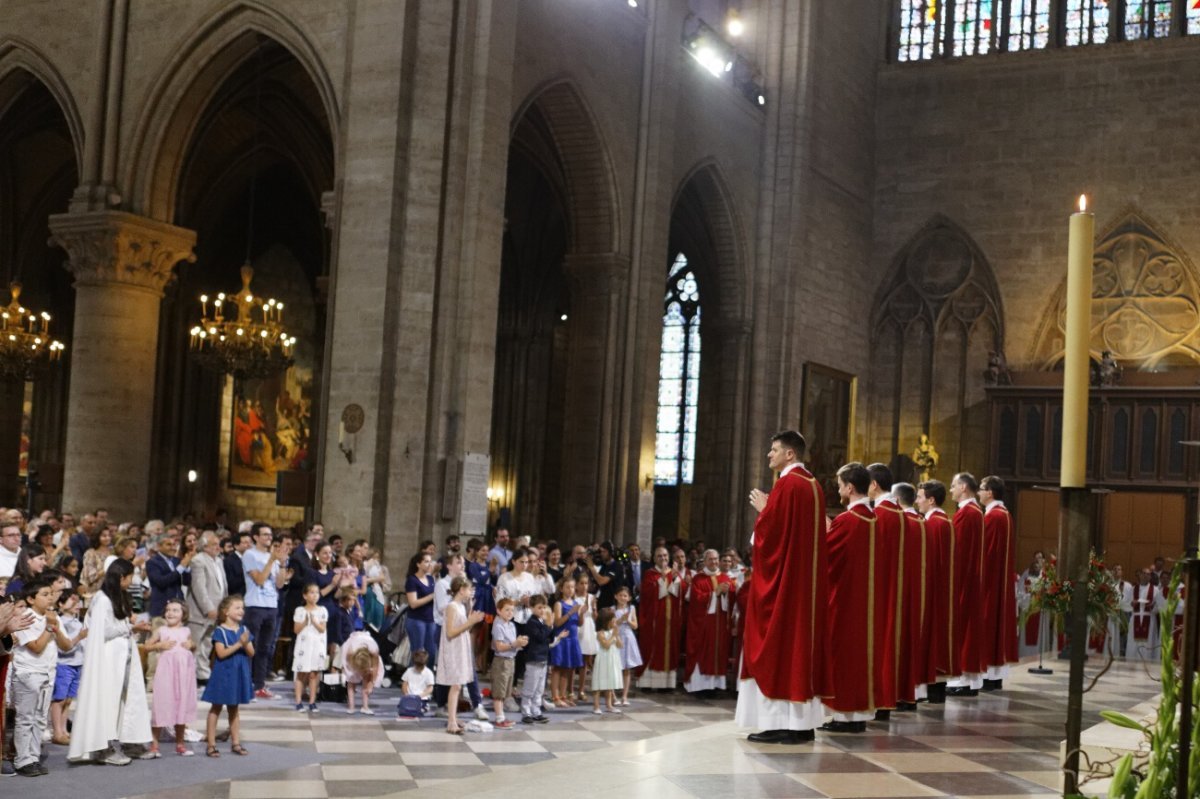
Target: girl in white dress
607, 676
112, 707
587, 630
308, 656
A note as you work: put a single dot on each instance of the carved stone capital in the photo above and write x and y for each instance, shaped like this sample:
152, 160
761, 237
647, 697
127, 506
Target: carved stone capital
119, 247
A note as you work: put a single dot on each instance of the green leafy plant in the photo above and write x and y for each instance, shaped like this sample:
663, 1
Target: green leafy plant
1156, 780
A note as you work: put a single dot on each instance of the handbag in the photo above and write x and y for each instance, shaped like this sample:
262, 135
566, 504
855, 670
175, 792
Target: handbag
332, 688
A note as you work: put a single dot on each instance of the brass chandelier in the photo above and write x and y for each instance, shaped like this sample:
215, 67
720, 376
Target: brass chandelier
250, 341
25, 343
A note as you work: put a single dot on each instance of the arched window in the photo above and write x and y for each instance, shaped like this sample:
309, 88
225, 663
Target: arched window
678, 378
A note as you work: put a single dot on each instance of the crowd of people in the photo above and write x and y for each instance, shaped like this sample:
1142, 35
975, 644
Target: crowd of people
111, 634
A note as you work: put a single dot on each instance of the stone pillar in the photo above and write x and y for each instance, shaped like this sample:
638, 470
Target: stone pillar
595, 338
121, 262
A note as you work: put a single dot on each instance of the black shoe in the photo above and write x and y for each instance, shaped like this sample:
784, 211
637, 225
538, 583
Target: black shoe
769, 737
964, 691
937, 693
527, 719
802, 737
30, 770
883, 715
993, 685
543, 719
42, 768
906, 707
844, 726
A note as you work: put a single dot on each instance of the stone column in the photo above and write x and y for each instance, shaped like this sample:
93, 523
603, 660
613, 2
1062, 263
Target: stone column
121, 262
595, 338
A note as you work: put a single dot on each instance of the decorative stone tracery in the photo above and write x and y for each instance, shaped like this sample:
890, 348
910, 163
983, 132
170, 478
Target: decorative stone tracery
1145, 295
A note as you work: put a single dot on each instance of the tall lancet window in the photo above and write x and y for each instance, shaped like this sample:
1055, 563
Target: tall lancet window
678, 378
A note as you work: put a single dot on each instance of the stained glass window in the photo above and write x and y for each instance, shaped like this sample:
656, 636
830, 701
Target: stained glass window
1193, 16
678, 378
1087, 22
1028, 24
919, 29
974, 23
1146, 19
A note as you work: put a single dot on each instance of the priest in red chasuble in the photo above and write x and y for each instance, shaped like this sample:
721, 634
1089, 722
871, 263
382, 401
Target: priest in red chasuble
931, 495
915, 666
857, 629
999, 645
709, 601
785, 668
889, 540
660, 623
968, 585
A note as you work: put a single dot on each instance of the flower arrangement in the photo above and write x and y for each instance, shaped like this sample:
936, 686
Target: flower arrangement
1052, 595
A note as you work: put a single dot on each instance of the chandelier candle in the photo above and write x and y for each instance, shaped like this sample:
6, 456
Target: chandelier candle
1076, 363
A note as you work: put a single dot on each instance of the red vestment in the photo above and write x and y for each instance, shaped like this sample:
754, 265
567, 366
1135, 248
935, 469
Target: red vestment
999, 590
912, 630
889, 538
660, 622
857, 632
1143, 611
941, 566
785, 646
968, 579
708, 633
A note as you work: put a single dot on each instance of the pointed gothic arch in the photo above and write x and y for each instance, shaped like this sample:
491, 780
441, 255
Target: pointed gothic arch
20, 63
704, 219
935, 319
1145, 300
581, 154
178, 100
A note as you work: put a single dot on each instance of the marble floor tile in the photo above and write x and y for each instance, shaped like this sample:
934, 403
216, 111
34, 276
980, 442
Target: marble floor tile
365, 772
278, 789
419, 758
977, 783
852, 786
768, 786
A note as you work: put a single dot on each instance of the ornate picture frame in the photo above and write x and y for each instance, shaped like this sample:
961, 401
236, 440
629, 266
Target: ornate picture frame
827, 406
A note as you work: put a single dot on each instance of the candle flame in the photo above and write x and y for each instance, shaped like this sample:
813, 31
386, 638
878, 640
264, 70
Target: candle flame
1082, 203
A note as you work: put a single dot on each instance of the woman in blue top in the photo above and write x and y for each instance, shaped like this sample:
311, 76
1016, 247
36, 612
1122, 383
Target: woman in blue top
422, 630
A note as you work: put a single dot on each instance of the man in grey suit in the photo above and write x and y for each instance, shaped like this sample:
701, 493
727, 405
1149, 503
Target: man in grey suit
207, 590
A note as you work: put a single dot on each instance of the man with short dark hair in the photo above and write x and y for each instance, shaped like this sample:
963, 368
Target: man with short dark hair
785, 665
968, 547
235, 574
889, 540
916, 667
500, 554
264, 578
943, 620
857, 628
998, 587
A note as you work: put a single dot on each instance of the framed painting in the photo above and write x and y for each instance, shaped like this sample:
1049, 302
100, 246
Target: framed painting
827, 423
272, 422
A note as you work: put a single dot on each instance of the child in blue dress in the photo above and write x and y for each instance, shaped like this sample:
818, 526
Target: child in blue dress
627, 624
566, 657
229, 684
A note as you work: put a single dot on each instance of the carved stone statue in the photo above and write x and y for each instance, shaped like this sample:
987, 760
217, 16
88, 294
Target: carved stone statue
925, 457
1106, 373
997, 373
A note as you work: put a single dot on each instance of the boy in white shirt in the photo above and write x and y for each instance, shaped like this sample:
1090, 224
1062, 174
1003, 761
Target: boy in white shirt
417, 681
35, 658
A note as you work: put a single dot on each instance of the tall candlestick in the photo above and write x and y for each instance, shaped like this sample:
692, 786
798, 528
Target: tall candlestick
1077, 361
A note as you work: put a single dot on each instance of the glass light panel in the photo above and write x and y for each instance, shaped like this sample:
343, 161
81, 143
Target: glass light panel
1028, 24
668, 419
666, 445
665, 471
1193, 16
918, 30
669, 392
670, 366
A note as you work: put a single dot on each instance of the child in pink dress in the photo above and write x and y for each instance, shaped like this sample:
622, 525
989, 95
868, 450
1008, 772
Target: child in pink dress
174, 703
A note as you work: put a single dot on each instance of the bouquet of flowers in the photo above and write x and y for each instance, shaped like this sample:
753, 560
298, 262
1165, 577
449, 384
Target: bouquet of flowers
1052, 594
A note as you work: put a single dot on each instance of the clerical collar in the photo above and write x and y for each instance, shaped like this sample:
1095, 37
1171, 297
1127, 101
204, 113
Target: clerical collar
860, 501
913, 511
713, 573
995, 503
933, 510
790, 467
965, 502
887, 496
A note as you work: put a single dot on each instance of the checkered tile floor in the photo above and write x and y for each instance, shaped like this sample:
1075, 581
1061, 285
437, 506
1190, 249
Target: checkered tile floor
671, 746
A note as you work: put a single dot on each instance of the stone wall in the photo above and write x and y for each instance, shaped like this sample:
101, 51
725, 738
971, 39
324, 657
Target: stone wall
1003, 145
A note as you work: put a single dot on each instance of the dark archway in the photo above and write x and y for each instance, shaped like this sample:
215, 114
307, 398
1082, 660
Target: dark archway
250, 184
38, 173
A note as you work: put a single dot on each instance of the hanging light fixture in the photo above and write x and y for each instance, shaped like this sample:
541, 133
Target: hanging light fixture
236, 342
25, 343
